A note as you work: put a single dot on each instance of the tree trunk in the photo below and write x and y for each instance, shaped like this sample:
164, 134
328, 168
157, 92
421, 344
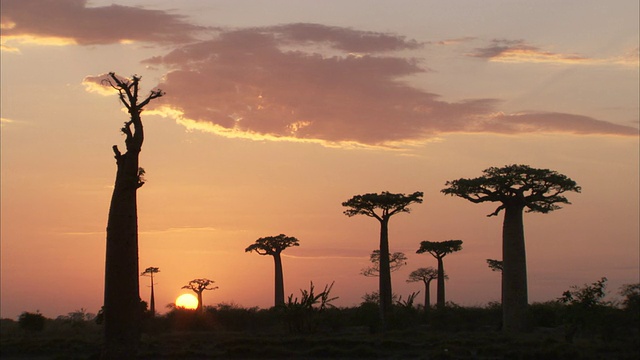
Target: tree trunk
152, 300
200, 307
121, 296
441, 296
386, 294
279, 282
427, 295
514, 274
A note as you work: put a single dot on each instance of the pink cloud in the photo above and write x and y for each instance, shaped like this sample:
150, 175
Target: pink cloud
256, 82
343, 38
74, 21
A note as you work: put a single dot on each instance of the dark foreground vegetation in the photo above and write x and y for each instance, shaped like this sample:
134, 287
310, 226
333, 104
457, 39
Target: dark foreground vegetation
570, 328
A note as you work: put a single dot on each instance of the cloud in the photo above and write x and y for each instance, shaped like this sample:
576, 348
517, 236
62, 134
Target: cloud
329, 85
64, 22
518, 51
455, 41
530, 122
303, 82
343, 38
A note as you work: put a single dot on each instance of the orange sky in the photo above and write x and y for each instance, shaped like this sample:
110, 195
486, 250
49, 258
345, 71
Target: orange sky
270, 122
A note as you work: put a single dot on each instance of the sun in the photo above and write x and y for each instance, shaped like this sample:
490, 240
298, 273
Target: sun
187, 301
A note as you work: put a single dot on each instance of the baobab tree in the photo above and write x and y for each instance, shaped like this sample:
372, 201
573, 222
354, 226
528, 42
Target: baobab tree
440, 249
515, 188
382, 207
152, 302
121, 287
426, 275
198, 286
273, 246
396, 261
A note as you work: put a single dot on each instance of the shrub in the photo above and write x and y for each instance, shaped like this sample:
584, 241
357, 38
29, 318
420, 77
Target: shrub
31, 322
302, 315
585, 307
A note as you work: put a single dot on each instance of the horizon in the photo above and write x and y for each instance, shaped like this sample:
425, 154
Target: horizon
273, 118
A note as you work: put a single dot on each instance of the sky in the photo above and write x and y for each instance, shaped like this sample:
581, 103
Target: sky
278, 111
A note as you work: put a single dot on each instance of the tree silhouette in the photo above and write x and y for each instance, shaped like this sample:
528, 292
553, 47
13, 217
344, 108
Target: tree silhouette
516, 188
152, 302
198, 286
396, 261
273, 246
440, 249
426, 275
121, 288
494, 265
382, 207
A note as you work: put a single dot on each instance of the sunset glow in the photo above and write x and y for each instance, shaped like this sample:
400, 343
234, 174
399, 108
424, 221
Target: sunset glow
277, 112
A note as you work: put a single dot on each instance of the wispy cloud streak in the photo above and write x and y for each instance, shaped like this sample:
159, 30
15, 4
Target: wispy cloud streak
518, 51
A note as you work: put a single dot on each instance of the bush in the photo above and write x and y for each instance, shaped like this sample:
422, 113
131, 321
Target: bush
547, 314
31, 322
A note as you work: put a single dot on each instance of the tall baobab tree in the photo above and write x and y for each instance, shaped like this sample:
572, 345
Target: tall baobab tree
273, 246
426, 275
152, 301
515, 188
440, 249
121, 289
382, 207
396, 261
198, 286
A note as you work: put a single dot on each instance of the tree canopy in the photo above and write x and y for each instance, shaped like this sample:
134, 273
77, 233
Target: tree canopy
200, 285
425, 275
150, 271
396, 261
538, 190
272, 245
388, 203
439, 249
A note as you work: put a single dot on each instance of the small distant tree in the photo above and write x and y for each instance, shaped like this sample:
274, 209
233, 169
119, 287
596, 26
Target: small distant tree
31, 322
198, 286
515, 188
273, 246
440, 249
426, 275
382, 207
396, 261
152, 303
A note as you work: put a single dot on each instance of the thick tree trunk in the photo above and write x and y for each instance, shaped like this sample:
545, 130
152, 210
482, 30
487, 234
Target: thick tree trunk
200, 307
279, 282
441, 296
427, 295
122, 297
514, 274
122, 310
386, 294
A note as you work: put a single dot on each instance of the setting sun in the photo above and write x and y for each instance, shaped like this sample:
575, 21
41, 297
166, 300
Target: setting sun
187, 301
